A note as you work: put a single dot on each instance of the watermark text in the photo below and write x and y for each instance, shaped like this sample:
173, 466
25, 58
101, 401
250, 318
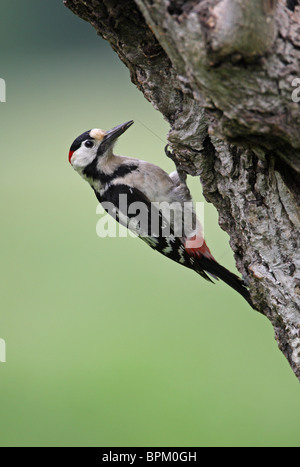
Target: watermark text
156, 219
2, 351
296, 92
2, 90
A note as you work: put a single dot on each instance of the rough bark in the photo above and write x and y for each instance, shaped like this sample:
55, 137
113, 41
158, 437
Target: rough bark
222, 73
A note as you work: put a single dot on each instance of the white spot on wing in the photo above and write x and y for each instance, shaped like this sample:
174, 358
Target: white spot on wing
181, 254
150, 241
167, 250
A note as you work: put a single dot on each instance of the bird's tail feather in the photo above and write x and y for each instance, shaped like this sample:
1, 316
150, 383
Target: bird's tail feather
217, 270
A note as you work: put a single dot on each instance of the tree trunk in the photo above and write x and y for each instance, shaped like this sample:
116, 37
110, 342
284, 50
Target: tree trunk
224, 75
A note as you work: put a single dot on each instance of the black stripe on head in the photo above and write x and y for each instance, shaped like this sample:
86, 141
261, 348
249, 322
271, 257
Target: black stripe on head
79, 140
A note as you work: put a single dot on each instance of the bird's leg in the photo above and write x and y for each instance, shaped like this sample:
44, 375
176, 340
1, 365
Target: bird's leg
181, 174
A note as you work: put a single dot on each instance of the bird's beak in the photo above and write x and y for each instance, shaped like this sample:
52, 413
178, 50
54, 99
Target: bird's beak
111, 136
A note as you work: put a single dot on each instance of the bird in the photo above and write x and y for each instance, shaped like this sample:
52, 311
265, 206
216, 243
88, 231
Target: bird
155, 205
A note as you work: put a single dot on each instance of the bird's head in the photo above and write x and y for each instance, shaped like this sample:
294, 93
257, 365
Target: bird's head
94, 144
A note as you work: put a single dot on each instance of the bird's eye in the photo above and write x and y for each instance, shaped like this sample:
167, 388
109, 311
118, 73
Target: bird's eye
89, 144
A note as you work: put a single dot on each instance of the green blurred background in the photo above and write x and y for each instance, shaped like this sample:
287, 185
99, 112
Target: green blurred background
109, 343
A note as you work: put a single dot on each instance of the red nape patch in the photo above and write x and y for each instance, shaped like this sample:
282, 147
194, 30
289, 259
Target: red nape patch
70, 155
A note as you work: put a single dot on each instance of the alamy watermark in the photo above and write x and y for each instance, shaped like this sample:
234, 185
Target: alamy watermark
2, 351
2, 90
296, 92
156, 219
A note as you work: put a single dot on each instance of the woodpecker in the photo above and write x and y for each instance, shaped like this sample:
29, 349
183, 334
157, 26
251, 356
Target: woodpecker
121, 182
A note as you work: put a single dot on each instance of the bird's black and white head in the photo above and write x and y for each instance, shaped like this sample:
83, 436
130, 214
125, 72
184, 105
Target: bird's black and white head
93, 145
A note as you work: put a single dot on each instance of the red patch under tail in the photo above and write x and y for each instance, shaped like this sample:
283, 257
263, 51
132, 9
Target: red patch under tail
197, 247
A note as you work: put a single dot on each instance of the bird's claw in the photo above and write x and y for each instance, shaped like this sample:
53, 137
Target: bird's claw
169, 153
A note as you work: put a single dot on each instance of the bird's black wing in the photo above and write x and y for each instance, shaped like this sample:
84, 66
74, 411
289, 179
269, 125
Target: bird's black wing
125, 204
131, 208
